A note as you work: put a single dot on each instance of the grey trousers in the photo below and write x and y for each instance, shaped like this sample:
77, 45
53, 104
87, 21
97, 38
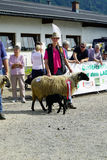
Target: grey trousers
20, 80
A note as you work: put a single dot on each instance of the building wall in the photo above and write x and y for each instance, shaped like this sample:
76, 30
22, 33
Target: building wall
90, 33
69, 28
20, 25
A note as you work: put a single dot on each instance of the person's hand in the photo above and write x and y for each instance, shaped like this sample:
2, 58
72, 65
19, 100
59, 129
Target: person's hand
81, 61
101, 62
49, 74
76, 61
20, 65
73, 61
17, 65
13, 66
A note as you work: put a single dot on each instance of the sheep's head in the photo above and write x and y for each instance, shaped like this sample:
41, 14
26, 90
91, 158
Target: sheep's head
6, 81
82, 76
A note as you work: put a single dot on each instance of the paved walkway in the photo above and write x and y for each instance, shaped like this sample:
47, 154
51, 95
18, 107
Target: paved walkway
80, 134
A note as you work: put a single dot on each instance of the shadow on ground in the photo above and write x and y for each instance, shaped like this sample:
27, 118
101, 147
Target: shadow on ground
9, 99
29, 112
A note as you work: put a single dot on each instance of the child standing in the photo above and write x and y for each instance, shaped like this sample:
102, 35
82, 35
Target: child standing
16, 63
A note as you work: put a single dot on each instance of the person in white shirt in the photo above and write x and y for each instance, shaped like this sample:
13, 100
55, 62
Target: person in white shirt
37, 62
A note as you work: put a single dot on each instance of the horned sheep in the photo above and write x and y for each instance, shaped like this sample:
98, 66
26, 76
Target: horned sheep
44, 86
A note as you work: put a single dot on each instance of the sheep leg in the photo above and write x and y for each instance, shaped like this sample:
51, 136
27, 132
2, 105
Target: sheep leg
49, 108
33, 102
64, 108
44, 109
61, 105
65, 101
59, 109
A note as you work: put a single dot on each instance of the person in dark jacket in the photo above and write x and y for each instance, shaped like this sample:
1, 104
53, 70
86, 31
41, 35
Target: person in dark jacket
55, 59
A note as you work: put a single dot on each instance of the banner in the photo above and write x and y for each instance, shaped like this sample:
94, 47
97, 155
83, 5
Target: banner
97, 74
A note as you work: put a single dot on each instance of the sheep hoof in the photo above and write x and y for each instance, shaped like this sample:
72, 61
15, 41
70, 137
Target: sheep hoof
49, 112
63, 112
44, 109
32, 109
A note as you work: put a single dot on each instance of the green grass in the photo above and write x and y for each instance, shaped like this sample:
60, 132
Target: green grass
28, 70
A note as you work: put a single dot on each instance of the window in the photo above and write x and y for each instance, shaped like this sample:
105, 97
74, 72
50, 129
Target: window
48, 39
28, 41
8, 40
73, 40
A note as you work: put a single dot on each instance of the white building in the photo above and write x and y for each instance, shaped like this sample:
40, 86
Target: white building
24, 23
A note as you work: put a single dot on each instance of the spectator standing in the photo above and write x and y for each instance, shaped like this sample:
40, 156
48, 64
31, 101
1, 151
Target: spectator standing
55, 59
80, 54
4, 61
37, 61
89, 49
16, 63
65, 47
95, 54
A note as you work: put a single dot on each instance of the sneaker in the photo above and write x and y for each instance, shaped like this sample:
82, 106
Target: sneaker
2, 117
70, 105
14, 101
23, 100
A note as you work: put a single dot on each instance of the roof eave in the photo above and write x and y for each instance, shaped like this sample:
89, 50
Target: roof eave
50, 17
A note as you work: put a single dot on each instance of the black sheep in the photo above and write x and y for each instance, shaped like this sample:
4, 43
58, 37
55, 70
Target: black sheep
56, 98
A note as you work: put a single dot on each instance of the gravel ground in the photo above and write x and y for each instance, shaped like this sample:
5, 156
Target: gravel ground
80, 134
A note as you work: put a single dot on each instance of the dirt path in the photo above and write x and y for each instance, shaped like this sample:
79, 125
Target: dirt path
80, 134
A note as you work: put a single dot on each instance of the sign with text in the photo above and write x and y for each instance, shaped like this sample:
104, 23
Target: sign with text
97, 74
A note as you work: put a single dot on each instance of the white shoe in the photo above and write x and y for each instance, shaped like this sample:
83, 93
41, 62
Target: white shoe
23, 100
14, 101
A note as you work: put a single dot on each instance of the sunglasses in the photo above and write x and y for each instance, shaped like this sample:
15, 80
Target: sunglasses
82, 47
55, 38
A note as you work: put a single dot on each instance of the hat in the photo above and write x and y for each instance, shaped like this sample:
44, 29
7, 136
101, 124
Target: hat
55, 35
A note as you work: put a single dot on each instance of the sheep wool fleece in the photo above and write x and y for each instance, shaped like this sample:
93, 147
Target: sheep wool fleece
43, 86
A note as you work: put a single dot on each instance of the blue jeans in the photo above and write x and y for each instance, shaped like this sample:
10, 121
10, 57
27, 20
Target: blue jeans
1, 108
